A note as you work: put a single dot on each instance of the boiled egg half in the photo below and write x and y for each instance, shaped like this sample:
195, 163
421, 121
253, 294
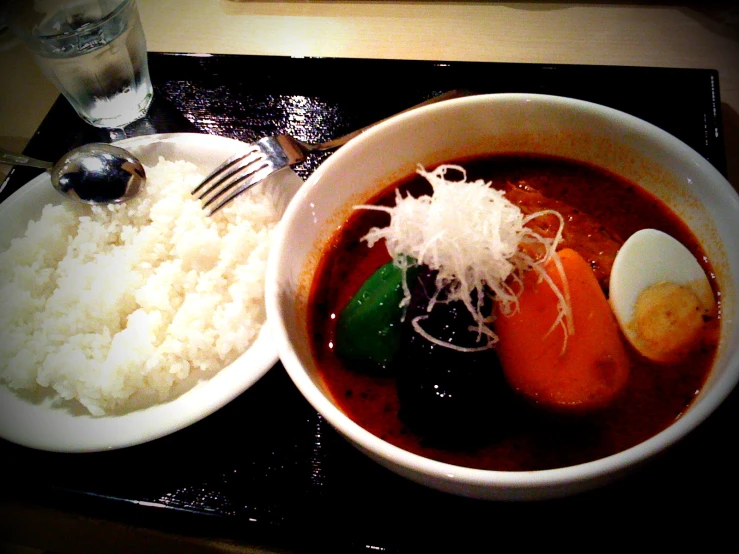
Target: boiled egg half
660, 295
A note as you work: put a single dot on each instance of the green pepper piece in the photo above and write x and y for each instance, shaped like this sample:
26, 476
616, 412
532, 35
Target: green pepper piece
368, 328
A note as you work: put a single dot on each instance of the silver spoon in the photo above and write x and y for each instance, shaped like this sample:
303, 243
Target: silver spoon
95, 173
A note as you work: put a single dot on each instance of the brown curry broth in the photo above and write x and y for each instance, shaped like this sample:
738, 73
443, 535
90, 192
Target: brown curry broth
595, 203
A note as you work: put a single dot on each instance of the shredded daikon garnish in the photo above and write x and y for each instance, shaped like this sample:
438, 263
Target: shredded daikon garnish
479, 244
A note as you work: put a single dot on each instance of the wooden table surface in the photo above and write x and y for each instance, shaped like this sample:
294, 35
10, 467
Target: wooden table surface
681, 34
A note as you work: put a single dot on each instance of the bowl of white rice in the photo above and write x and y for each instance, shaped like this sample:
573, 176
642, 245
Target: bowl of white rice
123, 323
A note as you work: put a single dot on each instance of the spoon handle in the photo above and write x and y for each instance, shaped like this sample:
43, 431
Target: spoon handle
19, 159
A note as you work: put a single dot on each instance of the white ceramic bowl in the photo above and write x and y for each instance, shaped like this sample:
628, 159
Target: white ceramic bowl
479, 125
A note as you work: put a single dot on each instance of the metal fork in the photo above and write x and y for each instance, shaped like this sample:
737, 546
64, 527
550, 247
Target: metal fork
270, 154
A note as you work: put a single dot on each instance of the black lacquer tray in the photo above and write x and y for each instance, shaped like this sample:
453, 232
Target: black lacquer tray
267, 469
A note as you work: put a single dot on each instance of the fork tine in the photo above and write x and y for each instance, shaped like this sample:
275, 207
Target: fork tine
244, 173
242, 167
224, 167
234, 188
239, 173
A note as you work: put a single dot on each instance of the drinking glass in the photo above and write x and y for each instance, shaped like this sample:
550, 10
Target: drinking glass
94, 51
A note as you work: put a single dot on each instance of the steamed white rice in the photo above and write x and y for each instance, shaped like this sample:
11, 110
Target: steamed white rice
127, 304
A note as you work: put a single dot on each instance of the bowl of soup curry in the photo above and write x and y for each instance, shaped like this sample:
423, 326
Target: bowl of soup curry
440, 292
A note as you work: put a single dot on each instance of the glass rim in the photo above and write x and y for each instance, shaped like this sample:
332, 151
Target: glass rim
12, 12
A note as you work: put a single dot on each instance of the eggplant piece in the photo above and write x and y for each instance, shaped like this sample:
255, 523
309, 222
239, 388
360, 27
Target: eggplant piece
450, 398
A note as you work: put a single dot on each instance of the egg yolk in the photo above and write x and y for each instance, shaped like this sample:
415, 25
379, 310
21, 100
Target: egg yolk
667, 321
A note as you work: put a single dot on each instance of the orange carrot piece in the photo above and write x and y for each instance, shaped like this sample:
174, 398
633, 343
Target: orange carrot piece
593, 368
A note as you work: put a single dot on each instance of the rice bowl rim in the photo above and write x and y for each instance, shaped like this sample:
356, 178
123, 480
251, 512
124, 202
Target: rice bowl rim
471, 482
56, 430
